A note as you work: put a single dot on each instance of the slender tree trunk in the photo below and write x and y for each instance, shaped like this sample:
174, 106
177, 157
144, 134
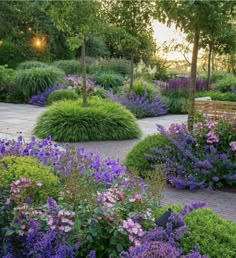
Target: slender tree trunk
209, 66
131, 72
192, 85
233, 62
83, 65
213, 62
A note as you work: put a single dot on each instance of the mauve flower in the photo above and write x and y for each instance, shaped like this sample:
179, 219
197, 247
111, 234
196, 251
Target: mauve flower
233, 145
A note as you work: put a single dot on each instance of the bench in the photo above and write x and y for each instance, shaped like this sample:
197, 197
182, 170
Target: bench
216, 109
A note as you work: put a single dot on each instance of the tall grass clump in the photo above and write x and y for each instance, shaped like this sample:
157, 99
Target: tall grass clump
58, 95
109, 80
32, 81
32, 64
69, 121
68, 66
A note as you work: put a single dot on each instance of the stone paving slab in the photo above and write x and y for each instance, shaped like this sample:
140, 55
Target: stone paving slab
19, 117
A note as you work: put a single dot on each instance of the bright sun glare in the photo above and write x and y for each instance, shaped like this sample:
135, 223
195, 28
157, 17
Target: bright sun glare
162, 34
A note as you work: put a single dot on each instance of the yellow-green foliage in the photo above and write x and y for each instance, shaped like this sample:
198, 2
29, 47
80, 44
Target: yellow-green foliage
12, 168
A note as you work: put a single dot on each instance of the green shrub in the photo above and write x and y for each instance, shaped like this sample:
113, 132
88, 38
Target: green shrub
32, 64
217, 76
120, 66
70, 121
136, 159
177, 105
68, 66
216, 236
7, 75
32, 81
141, 88
227, 84
12, 168
10, 54
217, 95
109, 80
61, 95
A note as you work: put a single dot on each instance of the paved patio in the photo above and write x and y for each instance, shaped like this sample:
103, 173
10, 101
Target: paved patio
17, 117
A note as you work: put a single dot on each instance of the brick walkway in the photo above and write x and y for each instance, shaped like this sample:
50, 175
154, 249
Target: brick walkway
14, 118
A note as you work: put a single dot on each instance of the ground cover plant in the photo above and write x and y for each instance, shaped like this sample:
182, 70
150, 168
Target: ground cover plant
217, 95
201, 158
34, 80
69, 121
100, 210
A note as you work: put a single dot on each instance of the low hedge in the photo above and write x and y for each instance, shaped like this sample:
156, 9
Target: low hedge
136, 159
12, 168
70, 121
217, 95
215, 235
61, 95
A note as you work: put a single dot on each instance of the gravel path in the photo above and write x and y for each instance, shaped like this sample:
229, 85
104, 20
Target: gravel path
19, 117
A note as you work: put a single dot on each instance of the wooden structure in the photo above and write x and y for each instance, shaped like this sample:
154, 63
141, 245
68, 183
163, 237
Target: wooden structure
216, 109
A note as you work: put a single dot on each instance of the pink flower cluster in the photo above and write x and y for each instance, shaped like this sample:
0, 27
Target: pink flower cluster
211, 124
136, 197
61, 220
233, 145
134, 230
110, 197
212, 137
18, 185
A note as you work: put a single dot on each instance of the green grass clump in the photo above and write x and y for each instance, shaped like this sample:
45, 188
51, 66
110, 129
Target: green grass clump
142, 88
217, 95
109, 80
227, 84
34, 80
68, 66
70, 121
176, 105
215, 235
12, 168
115, 65
136, 160
61, 95
32, 64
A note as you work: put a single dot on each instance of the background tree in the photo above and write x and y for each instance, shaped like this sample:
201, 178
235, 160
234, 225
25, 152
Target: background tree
133, 18
79, 20
195, 18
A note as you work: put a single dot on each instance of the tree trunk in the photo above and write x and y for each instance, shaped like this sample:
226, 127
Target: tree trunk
209, 66
83, 65
192, 85
131, 72
213, 62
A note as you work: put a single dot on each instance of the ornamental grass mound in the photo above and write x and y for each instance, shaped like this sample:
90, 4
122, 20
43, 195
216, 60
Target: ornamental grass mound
70, 121
58, 95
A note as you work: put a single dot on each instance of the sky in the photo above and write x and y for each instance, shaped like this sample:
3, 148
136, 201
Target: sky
163, 33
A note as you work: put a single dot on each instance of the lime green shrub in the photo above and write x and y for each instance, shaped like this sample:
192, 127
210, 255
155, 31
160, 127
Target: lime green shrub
136, 160
70, 121
141, 87
217, 95
109, 80
120, 66
68, 66
32, 64
32, 81
61, 95
215, 235
12, 168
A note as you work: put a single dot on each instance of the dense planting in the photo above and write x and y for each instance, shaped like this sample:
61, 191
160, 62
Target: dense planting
32, 64
201, 158
68, 66
101, 211
109, 80
69, 121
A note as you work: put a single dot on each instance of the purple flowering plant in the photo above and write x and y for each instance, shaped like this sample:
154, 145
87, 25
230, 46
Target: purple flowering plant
201, 158
100, 211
